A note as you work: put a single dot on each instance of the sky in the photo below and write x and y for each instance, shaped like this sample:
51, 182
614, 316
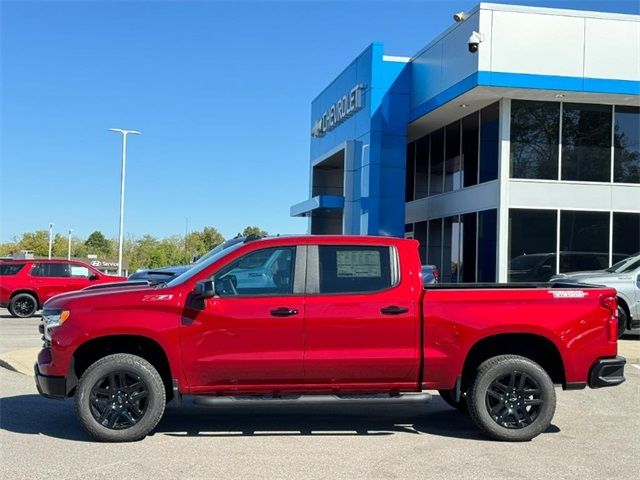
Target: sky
221, 92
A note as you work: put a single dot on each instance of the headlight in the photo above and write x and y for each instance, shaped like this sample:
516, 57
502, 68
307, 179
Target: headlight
51, 319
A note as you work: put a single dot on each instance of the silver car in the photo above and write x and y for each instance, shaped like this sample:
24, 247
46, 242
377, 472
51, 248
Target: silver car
624, 276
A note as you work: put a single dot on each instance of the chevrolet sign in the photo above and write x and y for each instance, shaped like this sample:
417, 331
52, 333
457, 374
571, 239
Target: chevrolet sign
337, 113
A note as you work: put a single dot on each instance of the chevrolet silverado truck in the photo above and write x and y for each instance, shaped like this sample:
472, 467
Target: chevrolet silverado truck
341, 316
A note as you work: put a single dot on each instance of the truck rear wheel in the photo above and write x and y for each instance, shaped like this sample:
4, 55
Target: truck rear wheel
120, 398
512, 398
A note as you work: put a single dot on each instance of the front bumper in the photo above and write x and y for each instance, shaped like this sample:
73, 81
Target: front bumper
607, 372
50, 387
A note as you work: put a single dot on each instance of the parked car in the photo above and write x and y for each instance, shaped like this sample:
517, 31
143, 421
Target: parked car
540, 267
26, 284
164, 274
349, 315
430, 274
624, 276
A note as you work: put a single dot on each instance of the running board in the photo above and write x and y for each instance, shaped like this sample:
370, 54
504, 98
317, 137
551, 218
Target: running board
215, 401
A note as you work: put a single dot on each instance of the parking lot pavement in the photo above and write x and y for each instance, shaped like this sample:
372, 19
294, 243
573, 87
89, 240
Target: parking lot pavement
594, 435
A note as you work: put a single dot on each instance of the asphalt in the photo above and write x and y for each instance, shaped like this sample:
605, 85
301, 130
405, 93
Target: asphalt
593, 435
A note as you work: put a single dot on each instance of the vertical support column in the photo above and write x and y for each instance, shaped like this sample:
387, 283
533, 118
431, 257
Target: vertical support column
502, 244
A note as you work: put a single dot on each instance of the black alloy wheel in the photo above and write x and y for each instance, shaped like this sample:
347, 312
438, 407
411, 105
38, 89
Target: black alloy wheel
514, 400
119, 400
23, 305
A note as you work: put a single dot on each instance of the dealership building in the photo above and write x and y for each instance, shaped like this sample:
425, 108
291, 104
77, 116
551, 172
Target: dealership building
509, 146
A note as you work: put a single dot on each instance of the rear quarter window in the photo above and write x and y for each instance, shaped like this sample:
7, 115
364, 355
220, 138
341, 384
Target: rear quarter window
354, 269
7, 269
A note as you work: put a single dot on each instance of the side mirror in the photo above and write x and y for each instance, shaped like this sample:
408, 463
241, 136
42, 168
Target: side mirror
204, 289
93, 276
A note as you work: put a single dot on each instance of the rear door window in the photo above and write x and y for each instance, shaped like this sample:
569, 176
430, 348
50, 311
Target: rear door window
354, 269
7, 269
51, 270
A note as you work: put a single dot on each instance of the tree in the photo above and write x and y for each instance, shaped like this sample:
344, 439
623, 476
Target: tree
97, 243
254, 231
199, 243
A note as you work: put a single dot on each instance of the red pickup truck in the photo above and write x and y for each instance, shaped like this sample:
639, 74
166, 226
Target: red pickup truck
344, 316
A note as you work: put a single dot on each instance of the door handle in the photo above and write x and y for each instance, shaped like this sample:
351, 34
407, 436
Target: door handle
283, 312
393, 310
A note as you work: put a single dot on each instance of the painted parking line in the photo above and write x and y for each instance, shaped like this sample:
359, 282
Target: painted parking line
635, 365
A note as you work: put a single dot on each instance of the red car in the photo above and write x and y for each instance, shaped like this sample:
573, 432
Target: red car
341, 315
26, 284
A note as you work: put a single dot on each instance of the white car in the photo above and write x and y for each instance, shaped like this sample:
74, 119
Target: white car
624, 276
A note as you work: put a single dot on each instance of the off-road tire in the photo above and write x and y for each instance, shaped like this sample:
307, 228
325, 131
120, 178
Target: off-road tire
449, 396
495, 369
132, 365
622, 320
17, 306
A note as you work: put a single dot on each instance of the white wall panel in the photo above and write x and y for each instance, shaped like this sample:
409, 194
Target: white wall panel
537, 44
612, 49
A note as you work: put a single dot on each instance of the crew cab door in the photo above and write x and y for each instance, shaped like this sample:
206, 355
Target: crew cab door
250, 335
360, 319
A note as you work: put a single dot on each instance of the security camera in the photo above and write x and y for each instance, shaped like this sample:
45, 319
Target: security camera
459, 17
474, 41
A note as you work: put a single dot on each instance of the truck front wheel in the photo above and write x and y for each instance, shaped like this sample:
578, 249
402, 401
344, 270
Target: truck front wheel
512, 398
120, 398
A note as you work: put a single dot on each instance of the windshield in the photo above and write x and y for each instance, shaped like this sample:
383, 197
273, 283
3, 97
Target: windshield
626, 265
219, 248
200, 266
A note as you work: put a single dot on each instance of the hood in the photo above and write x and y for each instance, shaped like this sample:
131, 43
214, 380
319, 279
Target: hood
112, 289
162, 274
582, 276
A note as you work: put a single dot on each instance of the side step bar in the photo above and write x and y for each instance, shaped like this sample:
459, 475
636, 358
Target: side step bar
215, 401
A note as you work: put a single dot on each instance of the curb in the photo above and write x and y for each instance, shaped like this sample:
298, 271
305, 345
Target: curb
20, 361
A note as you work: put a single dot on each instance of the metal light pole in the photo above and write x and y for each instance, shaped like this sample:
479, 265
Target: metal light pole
69, 248
50, 238
122, 175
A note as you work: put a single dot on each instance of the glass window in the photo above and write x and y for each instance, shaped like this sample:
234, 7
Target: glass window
436, 162
410, 173
626, 235
452, 167
532, 245
489, 129
534, 139
434, 245
468, 234
7, 269
584, 241
487, 245
470, 148
79, 271
586, 142
354, 269
451, 250
263, 272
420, 234
50, 270
422, 167
626, 142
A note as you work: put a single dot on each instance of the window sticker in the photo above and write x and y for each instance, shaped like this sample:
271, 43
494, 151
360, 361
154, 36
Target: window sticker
358, 263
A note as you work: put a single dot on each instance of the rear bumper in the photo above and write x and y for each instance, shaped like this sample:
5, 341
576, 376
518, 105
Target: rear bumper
50, 387
607, 372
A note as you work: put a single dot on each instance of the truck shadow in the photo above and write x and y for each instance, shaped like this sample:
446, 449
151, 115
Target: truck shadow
34, 415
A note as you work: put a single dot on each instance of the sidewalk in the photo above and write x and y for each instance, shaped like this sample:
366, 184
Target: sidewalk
22, 360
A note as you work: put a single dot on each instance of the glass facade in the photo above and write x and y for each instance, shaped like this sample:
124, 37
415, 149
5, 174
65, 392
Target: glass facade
584, 134
626, 143
535, 134
584, 240
463, 247
462, 154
